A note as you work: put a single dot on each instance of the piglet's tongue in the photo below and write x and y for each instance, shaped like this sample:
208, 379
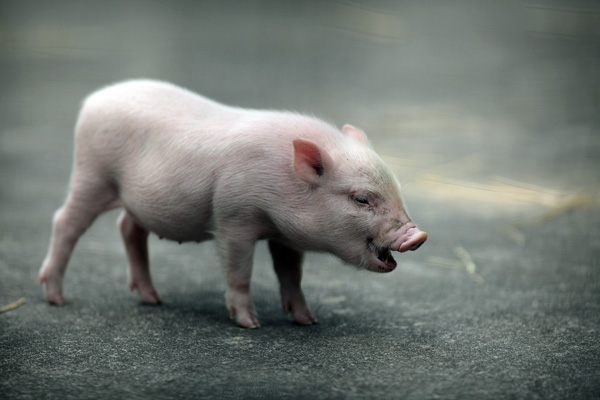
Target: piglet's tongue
411, 240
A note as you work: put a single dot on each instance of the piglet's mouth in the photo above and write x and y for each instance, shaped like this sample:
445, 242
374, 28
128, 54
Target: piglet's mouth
384, 261
385, 256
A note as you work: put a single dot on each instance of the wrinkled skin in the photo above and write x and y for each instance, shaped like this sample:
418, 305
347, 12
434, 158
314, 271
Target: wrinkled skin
190, 169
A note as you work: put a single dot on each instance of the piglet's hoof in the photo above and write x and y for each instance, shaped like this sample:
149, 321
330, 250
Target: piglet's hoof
53, 290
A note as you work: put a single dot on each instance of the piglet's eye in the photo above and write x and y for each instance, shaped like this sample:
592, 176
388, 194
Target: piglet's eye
360, 200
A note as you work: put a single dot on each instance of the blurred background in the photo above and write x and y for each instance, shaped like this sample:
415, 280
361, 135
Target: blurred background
488, 105
487, 111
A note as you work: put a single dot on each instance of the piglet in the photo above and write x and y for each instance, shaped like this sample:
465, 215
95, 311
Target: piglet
190, 169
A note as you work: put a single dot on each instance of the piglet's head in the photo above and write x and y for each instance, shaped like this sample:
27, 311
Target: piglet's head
357, 212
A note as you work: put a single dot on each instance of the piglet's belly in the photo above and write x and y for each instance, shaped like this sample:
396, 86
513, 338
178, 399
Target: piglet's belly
174, 225
189, 232
177, 210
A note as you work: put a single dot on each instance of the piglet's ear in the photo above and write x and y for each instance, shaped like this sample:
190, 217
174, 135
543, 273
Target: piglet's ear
356, 134
310, 162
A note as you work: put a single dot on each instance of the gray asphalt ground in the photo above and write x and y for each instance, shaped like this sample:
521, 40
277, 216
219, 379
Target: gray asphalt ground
487, 111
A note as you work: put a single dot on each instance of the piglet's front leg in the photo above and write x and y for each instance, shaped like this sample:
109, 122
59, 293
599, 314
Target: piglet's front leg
237, 251
288, 266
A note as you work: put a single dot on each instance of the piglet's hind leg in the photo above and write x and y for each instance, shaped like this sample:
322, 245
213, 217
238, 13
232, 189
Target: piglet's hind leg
82, 206
136, 245
67, 227
288, 266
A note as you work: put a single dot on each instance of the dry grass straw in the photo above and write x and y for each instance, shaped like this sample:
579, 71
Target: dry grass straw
12, 306
446, 182
462, 262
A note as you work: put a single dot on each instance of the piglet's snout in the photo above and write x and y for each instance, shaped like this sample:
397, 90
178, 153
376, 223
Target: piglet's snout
411, 239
